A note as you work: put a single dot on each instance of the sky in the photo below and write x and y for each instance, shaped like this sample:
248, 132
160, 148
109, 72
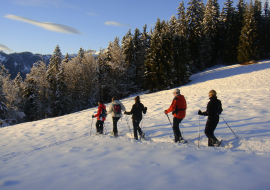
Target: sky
38, 26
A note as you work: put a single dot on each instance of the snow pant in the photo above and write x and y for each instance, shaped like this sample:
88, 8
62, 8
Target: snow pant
136, 128
176, 130
210, 127
115, 120
99, 126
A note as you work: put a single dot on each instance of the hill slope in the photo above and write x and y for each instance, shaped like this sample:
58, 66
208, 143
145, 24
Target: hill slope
58, 153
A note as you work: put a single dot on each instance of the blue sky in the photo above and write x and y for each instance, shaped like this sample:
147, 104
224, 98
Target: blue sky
38, 26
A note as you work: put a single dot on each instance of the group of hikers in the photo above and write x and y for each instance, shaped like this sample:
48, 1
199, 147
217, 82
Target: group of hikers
178, 108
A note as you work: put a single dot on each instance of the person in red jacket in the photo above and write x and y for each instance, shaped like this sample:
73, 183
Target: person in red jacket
178, 109
101, 117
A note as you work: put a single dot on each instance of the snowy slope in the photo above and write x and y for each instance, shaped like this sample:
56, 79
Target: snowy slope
58, 153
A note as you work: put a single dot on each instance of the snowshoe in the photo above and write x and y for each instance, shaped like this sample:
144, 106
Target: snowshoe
114, 134
182, 140
142, 136
218, 143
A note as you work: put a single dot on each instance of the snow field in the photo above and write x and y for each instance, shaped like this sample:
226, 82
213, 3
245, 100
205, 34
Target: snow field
58, 153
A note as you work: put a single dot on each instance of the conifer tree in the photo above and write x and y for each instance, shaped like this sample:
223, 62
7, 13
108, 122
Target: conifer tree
61, 93
53, 70
248, 44
182, 21
66, 58
80, 55
3, 101
265, 43
194, 13
229, 33
211, 29
154, 79
31, 99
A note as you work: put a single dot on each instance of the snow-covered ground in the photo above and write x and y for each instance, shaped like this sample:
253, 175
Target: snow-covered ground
58, 153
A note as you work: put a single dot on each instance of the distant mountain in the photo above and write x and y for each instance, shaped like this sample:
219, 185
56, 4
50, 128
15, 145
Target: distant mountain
23, 62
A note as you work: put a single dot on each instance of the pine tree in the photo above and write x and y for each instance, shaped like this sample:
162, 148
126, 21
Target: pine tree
229, 33
257, 8
248, 44
31, 99
182, 21
39, 73
129, 53
3, 101
155, 75
51, 74
80, 55
66, 58
194, 14
211, 29
61, 93
266, 32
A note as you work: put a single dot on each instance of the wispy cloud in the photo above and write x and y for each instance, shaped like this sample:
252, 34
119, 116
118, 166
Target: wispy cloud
113, 23
3, 47
44, 3
92, 14
46, 25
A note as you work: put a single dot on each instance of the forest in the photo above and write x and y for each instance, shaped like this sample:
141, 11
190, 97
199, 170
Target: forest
198, 37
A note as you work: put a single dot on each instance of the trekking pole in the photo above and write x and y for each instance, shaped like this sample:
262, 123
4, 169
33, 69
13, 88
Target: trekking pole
91, 127
199, 134
169, 119
182, 129
129, 127
230, 128
104, 131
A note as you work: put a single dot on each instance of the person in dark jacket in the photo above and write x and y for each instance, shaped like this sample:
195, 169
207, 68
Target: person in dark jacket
136, 112
178, 109
100, 117
213, 110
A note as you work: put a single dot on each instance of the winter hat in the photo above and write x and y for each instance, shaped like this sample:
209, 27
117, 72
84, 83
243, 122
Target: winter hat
177, 91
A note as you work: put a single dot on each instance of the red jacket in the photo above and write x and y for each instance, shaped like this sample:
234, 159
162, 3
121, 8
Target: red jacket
100, 107
178, 102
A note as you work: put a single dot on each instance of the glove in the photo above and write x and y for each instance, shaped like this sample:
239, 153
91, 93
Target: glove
125, 112
165, 112
145, 108
200, 112
93, 116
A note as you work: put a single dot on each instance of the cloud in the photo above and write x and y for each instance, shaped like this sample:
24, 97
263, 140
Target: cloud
113, 23
46, 25
44, 3
92, 14
3, 47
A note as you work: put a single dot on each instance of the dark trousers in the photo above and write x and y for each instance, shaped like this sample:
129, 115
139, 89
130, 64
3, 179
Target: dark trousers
136, 127
99, 126
115, 120
210, 127
176, 130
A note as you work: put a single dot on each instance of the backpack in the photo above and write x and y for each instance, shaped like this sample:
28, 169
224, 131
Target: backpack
117, 109
103, 113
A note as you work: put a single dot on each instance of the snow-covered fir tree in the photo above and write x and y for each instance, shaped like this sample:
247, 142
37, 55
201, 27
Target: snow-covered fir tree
66, 59
53, 70
30, 94
80, 55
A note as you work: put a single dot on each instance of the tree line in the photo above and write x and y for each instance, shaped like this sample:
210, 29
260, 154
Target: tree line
200, 36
